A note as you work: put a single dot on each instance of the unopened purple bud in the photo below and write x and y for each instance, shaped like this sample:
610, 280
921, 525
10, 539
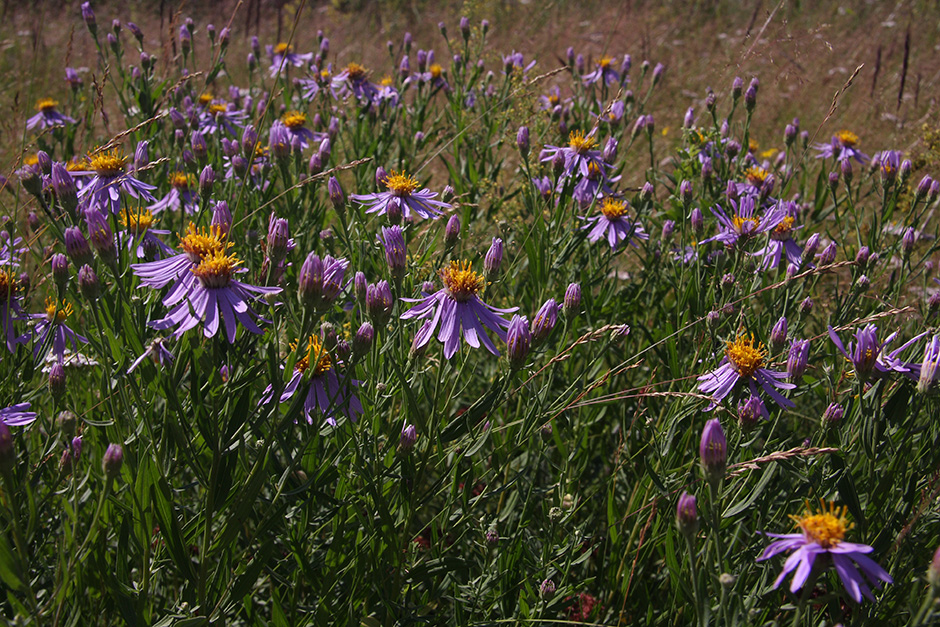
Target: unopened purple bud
579, 64
727, 282
572, 302
668, 227
277, 242
198, 143
393, 241
485, 26
113, 460
809, 250
325, 148
711, 101
685, 192
99, 232
862, 256
409, 435
88, 283
778, 335
828, 255
249, 141
862, 283
360, 283
834, 181
88, 16
380, 177
310, 280
905, 172
33, 220
465, 28
60, 271
522, 141
934, 191
76, 246
337, 197
609, 154
447, 194
362, 341
379, 303
923, 188
806, 306
846, 168
687, 515
544, 321
713, 450
494, 258
558, 163
136, 32
696, 221
789, 134
57, 378
907, 241
750, 412
518, 341
77, 447
407, 41
64, 187
732, 149
44, 161
689, 120
833, 414
206, 181
186, 39
315, 165
222, 217
224, 36
797, 359
737, 86
646, 192
546, 589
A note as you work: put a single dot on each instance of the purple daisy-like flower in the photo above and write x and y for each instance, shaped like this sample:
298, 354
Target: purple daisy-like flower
841, 147
613, 225
294, 122
604, 73
326, 392
822, 536
139, 236
781, 242
221, 116
745, 221
454, 307
109, 178
283, 56
592, 187
48, 116
579, 154
17, 415
181, 195
402, 196
743, 361
868, 357
51, 325
214, 297
514, 62
551, 100
354, 81
155, 351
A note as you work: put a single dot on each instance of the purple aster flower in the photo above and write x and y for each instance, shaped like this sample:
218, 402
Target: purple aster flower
221, 116
155, 351
594, 186
744, 362
578, 155
17, 415
889, 163
51, 327
140, 237
10, 308
822, 535
354, 81
613, 225
48, 117
402, 197
868, 357
551, 100
109, 178
781, 242
842, 147
181, 195
456, 306
514, 62
927, 377
745, 223
326, 393
283, 55
294, 122
604, 73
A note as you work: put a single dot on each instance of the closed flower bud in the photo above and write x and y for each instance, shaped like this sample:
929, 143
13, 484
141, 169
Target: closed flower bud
778, 335
337, 197
64, 187
685, 192
689, 120
99, 232
277, 242
572, 302
934, 192
750, 412
546, 589
696, 221
737, 87
646, 192
88, 16
828, 255
923, 188
544, 321
907, 242
493, 259
452, 230
380, 177
7, 453
315, 165
222, 217
113, 460
522, 141
67, 423
393, 241
362, 341
789, 134
862, 283
668, 227
518, 341
750, 96
806, 305
360, 283
57, 380
713, 450
797, 359
905, 172
687, 515
60, 271
833, 414
206, 181
198, 143
609, 154
379, 303
409, 435
810, 248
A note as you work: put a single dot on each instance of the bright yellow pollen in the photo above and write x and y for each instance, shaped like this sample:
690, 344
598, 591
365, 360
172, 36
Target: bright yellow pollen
436, 70
554, 99
324, 74
314, 352
200, 243
261, 151
752, 145
205, 98
181, 180
386, 81
218, 108
756, 175
613, 209
31, 159
282, 47
744, 356
57, 313
77, 165
294, 119
785, 226
770, 152
110, 163
7, 286
137, 223
738, 222
824, 527
355, 71
580, 143
847, 138
461, 281
46, 104
400, 183
216, 269
605, 62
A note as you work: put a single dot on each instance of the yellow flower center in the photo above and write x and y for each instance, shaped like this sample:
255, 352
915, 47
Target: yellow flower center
217, 108
77, 165
216, 269
554, 99
200, 243
261, 151
137, 223
57, 313
605, 62
181, 180
7, 286
847, 138
436, 70
355, 71
756, 175
744, 356
461, 281
386, 81
282, 47
46, 105
752, 145
613, 209
109, 163
315, 353
782, 230
31, 159
294, 119
739, 222
205, 98
325, 74
580, 143
824, 527
400, 183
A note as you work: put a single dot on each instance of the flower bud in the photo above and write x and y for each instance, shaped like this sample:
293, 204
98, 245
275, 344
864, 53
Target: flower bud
810, 248
905, 172
380, 177
522, 141
67, 423
222, 217
685, 192
198, 143
277, 242
315, 165
360, 283
750, 96
88, 16
737, 86
57, 380
572, 302
393, 241
379, 303
828, 255
113, 460
833, 414
99, 232
687, 515
544, 321
362, 341
546, 589
64, 187
750, 412
797, 359
806, 305
862, 283
518, 341
452, 230
206, 181
493, 259
696, 221
713, 450
60, 271
409, 435
337, 197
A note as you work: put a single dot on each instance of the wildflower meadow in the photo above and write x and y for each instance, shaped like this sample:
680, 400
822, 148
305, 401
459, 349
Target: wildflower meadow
461, 338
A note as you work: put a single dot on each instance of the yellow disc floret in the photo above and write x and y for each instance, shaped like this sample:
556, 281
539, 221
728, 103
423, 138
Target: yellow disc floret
783, 230
756, 175
847, 138
461, 281
356, 72
580, 143
46, 104
57, 313
436, 70
613, 209
216, 269
744, 356
205, 98
825, 527
7, 286
282, 47
108, 163
200, 243
217, 108
315, 354
400, 183
386, 81
137, 223
181, 180
605, 62
738, 222
294, 119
